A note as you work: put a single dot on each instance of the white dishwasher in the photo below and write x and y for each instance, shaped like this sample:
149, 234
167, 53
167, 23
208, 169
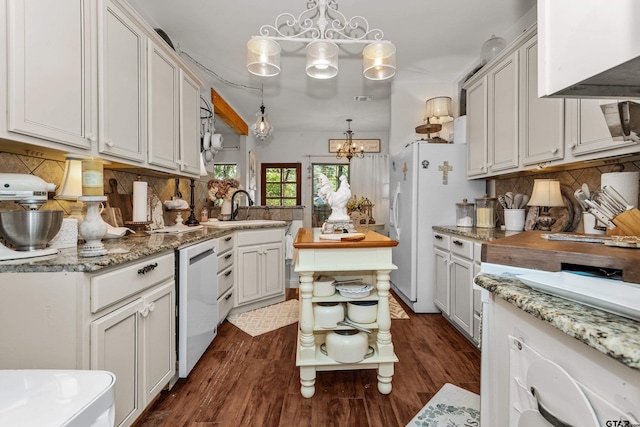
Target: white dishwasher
197, 302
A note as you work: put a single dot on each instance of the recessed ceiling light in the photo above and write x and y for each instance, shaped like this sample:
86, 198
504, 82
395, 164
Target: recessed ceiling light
362, 98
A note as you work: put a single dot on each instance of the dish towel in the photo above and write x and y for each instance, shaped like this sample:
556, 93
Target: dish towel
288, 246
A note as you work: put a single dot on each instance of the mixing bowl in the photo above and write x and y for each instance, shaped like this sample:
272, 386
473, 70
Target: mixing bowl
30, 230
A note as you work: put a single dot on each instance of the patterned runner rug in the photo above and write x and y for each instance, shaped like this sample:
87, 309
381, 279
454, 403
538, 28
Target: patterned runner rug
451, 406
267, 319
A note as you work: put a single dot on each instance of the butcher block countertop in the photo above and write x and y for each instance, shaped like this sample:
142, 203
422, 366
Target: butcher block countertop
530, 250
309, 238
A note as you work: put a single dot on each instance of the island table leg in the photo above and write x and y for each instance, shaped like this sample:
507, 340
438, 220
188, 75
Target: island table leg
307, 347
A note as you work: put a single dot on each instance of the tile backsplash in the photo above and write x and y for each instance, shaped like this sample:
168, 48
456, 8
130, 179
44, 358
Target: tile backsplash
159, 190
570, 180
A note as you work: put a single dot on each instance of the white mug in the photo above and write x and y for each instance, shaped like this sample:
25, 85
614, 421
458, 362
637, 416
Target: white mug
206, 140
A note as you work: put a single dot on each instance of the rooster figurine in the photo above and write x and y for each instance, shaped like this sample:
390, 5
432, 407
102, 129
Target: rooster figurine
337, 199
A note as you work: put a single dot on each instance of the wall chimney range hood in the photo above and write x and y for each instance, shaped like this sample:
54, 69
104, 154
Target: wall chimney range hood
589, 49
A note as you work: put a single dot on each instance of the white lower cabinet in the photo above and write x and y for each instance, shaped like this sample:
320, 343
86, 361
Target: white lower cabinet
260, 267
121, 319
454, 272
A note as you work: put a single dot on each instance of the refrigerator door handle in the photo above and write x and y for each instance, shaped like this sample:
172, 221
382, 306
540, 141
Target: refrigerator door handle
394, 209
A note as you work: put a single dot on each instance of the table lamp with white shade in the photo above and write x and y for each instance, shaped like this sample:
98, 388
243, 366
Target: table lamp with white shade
71, 187
546, 194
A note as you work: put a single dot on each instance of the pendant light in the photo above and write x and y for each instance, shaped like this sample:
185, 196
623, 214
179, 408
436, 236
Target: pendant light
262, 128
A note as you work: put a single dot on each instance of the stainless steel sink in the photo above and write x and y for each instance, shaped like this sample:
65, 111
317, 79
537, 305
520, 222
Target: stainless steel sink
248, 222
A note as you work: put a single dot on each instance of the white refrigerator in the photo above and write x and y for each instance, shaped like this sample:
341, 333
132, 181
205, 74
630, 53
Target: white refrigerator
426, 181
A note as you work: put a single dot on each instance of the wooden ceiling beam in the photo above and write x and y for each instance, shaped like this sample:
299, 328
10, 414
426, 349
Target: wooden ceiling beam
228, 114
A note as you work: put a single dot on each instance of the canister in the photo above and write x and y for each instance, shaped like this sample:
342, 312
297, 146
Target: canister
323, 286
464, 214
328, 314
347, 346
486, 212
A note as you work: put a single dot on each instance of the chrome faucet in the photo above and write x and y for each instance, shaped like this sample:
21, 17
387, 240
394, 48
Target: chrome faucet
234, 208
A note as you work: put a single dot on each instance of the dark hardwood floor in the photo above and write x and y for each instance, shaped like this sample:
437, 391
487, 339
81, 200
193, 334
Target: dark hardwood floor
253, 381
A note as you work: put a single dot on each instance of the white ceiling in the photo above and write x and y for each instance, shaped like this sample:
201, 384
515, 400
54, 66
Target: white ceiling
439, 38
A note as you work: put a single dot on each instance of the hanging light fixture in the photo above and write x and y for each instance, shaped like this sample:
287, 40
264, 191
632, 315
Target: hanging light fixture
322, 27
262, 128
349, 149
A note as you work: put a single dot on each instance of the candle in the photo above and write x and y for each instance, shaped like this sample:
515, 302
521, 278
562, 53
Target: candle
92, 177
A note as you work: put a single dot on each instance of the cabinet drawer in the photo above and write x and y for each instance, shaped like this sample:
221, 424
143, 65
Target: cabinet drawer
258, 237
118, 284
225, 281
225, 304
477, 251
462, 247
441, 241
225, 260
225, 243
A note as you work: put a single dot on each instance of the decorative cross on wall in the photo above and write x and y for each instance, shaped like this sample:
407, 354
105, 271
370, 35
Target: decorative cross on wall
445, 168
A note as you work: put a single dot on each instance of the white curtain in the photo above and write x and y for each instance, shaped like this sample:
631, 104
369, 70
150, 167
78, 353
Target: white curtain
370, 179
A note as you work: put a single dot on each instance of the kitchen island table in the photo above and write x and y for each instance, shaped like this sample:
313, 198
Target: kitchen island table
370, 259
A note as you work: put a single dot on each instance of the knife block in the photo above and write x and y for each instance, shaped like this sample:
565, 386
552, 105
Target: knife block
627, 224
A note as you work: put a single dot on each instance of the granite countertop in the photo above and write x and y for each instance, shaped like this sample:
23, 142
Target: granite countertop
613, 335
485, 234
122, 250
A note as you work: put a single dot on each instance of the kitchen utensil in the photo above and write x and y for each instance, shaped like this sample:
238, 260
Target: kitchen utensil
328, 314
370, 352
343, 282
525, 200
586, 191
347, 322
517, 201
617, 197
30, 230
581, 197
354, 290
323, 286
122, 201
628, 222
362, 311
112, 216
509, 198
347, 346
558, 396
503, 201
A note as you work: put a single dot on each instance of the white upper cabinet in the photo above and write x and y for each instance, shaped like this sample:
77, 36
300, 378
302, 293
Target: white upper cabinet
477, 108
588, 133
163, 108
503, 105
541, 119
51, 81
121, 77
91, 77
189, 125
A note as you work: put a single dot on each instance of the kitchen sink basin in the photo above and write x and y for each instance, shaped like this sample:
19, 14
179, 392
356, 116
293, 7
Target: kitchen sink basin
248, 222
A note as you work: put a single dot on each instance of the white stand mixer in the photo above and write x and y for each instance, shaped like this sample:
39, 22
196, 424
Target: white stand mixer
30, 192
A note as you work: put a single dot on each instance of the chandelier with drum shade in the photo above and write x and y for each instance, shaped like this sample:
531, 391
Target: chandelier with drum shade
322, 28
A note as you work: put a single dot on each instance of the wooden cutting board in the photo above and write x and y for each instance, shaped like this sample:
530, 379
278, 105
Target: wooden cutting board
112, 216
529, 250
121, 201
